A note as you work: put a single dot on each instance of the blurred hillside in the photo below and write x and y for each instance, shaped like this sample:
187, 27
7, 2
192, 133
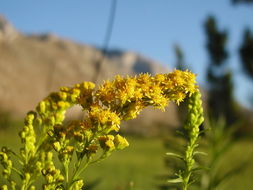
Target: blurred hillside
31, 66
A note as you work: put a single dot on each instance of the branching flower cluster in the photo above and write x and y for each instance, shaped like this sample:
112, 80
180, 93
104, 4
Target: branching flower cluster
89, 140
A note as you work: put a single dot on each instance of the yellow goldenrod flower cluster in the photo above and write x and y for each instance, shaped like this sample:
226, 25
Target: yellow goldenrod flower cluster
104, 108
128, 96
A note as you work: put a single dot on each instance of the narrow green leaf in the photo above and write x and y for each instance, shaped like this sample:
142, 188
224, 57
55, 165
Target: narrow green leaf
181, 133
199, 152
200, 168
177, 180
175, 155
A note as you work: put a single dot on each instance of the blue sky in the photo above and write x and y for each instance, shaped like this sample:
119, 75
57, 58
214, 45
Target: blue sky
149, 27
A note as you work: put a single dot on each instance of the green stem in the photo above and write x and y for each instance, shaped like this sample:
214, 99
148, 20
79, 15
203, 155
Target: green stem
77, 166
17, 171
42, 138
189, 159
66, 168
79, 172
186, 180
25, 185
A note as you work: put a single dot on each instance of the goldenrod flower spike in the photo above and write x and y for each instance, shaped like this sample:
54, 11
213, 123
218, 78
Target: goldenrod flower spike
191, 126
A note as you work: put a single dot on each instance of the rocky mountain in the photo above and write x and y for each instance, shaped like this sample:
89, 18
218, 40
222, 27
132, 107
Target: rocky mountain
31, 66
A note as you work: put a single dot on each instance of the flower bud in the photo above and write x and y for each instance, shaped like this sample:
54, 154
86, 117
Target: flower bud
63, 95
92, 149
32, 188
57, 146
106, 142
4, 187
120, 142
41, 107
78, 184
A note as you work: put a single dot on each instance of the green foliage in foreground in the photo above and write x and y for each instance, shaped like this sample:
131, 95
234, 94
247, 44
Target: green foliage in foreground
133, 165
219, 141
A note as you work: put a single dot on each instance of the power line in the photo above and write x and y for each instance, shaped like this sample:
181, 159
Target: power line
99, 63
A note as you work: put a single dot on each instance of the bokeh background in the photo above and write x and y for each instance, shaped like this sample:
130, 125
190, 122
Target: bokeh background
48, 44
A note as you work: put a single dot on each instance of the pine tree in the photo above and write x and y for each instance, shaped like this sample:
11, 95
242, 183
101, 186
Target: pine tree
242, 1
246, 53
220, 100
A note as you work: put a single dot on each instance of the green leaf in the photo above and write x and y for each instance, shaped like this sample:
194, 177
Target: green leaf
181, 133
175, 155
199, 152
200, 168
177, 180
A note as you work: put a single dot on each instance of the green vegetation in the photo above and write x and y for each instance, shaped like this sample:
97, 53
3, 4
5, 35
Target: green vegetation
143, 161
